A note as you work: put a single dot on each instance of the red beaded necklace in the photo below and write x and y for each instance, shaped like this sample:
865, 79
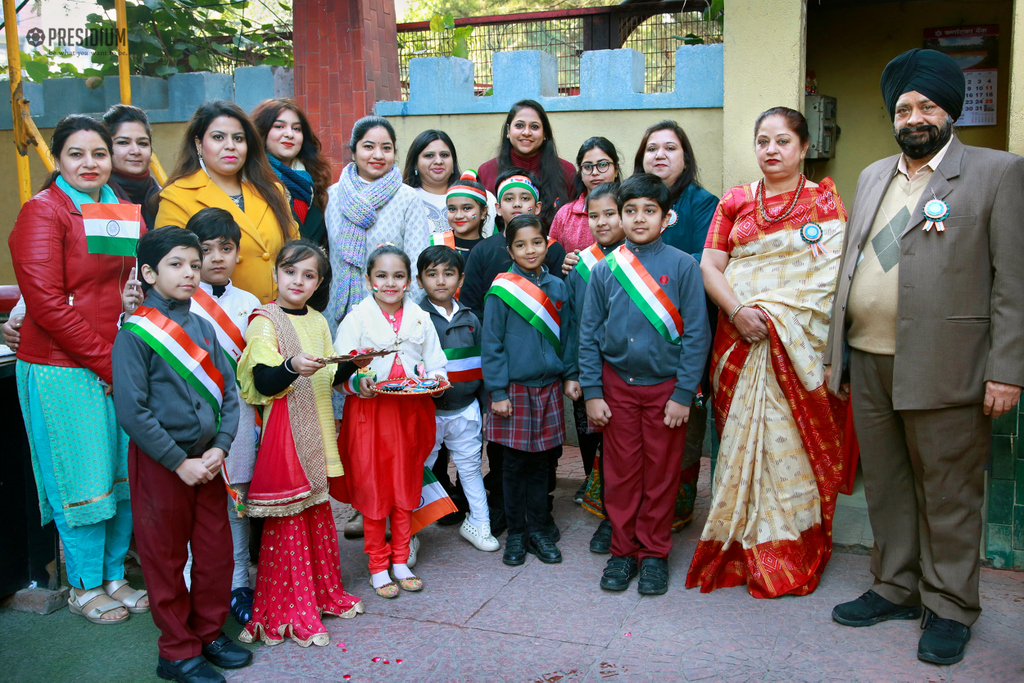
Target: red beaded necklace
770, 218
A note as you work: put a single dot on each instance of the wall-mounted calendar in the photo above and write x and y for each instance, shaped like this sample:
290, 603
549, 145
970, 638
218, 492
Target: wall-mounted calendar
976, 50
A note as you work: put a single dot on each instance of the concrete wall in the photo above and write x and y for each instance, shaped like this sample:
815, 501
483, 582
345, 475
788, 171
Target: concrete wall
166, 139
476, 136
847, 48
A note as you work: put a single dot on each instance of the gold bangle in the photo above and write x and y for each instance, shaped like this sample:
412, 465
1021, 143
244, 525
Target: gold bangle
735, 311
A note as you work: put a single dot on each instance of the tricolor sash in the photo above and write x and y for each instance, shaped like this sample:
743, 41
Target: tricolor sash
193, 363
646, 294
228, 334
588, 259
112, 228
529, 301
464, 364
443, 239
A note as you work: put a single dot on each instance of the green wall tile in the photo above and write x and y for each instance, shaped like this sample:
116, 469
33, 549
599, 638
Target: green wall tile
1018, 527
999, 545
1020, 482
1007, 424
1018, 559
1000, 501
1002, 457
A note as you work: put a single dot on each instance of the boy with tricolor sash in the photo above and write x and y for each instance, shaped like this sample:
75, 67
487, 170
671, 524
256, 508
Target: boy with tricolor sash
457, 411
527, 359
173, 397
644, 338
603, 217
228, 308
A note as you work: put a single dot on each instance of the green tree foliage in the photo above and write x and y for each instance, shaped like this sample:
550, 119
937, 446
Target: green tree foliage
423, 10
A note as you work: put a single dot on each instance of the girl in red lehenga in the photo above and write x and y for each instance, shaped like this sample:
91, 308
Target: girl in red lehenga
299, 577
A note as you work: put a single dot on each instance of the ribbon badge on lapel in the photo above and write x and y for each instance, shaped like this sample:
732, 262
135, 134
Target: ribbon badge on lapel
812, 234
935, 211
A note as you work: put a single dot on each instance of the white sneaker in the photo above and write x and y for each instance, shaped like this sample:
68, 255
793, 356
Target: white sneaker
480, 536
414, 547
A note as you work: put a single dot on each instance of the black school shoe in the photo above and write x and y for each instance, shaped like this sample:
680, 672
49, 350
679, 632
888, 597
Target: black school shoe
943, 641
551, 529
653, 576
226, 653
499, 522
515, 550
619, 573
541, 545
194, 670
601, 541
870, 609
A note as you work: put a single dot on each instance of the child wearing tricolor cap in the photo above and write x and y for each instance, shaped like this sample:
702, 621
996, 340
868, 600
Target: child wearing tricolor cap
172, 395
457, 411
467, 212
644, 337
527, 357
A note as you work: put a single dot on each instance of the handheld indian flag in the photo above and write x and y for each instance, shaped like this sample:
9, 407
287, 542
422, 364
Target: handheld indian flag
434, 503
112, 228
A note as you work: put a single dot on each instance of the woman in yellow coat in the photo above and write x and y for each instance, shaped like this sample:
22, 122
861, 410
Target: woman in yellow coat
222, 163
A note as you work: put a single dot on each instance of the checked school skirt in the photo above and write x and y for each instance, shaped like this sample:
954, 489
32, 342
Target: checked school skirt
538, 419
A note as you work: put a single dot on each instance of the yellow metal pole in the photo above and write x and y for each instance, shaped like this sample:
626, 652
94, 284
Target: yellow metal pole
123, 73
33, 134
14, 64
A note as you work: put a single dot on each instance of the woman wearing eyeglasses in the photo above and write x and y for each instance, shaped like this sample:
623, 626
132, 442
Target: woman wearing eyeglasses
597, 162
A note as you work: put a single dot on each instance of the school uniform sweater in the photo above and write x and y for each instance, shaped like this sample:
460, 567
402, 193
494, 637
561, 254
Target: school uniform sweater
577, 289
615, 331
462, 332
161, 412
490, 258
515, 352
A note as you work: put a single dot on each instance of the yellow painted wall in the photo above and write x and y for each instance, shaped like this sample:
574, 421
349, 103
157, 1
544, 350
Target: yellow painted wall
476, 136
166, 138
764, 68
847, 48
1015, 132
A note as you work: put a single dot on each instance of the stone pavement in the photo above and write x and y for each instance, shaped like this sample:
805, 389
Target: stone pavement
478, 620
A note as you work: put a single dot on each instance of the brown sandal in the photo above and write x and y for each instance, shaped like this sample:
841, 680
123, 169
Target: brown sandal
93, 605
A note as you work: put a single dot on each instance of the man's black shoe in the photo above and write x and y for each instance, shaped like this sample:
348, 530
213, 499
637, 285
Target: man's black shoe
601, 541
515, 550
653, 576
618, 573
226, 653
541, 545
870, 609
943, 641
194, 670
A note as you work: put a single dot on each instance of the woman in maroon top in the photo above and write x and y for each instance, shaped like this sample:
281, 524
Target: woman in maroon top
528, 143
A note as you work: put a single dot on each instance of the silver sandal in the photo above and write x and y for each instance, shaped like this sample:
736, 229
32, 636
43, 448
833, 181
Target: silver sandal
131, 597
93, 605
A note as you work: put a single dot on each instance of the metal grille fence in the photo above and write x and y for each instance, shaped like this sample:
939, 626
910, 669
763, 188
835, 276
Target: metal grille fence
654, 29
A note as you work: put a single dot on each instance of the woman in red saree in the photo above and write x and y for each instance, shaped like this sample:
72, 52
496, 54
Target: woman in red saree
770, 264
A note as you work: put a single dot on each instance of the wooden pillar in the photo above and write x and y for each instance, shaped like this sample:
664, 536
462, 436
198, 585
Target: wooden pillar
346, 59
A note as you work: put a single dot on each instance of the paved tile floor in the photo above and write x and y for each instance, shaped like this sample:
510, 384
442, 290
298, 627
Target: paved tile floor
478, 620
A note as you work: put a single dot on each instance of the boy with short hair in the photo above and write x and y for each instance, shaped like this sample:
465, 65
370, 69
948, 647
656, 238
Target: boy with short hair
172, 397
440, 272
227, 308
643, 342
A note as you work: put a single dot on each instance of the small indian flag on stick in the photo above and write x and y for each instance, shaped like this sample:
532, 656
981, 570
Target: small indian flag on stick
112, 228
434, 503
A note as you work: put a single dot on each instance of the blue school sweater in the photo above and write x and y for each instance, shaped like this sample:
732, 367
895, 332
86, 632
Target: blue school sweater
515, 352
577, 288
615, 331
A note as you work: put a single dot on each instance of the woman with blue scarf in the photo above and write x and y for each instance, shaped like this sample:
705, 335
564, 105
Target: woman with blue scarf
294, 152
79, 453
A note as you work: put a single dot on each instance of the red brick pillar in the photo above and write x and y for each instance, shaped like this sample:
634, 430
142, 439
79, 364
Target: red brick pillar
346, 59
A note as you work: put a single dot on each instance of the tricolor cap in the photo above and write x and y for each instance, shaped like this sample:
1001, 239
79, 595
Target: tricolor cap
520, 181
461, 188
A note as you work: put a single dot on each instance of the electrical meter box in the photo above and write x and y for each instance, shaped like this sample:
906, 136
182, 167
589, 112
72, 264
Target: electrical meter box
820, 111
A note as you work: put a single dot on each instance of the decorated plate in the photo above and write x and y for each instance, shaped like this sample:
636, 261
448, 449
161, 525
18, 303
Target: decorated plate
365, 354
410, 386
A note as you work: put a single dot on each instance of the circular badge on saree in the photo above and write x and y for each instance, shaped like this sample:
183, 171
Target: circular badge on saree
935, 211
812, 234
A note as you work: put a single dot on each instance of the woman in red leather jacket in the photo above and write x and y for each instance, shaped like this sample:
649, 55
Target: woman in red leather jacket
79, 453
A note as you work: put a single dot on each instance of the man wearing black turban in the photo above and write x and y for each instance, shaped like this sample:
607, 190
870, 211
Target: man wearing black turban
928, 329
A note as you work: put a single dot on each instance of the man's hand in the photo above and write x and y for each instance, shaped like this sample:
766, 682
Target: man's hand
1000, 398
676, 414
572, 389
192, 471
844, 389
305, 364
12, 332
598, 412
212, 460
502, 408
